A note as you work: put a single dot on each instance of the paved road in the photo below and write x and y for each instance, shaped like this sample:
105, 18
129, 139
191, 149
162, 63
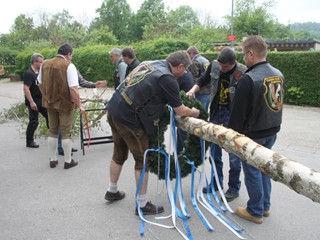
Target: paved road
38, 203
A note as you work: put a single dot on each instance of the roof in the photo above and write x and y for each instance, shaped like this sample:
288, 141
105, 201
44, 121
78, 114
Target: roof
309, 40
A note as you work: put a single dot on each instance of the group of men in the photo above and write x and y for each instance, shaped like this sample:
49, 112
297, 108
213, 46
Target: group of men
60, 95
234, 95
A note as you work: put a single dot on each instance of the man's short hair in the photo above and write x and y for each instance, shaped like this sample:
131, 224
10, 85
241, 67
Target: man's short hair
65, 49
115, 51
256, 43
227, 56
192, 49
179, 57
128, 52
35, 57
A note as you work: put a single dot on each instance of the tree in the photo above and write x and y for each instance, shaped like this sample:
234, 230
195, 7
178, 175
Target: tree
306, 30
204, 37
116, 15
101, 35
178, 24
21, 32
151, 12
38, 45
253, 19
182, 20
282, 32
62, 28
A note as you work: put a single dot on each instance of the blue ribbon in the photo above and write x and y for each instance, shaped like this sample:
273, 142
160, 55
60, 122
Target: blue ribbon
178, 184
193, 199
212, 182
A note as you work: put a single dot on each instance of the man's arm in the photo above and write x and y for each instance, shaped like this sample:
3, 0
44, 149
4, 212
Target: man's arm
75, 96
203, 80
84, 83
122, 68
241, 105
184, 111
27, 93
88, 84
192, 91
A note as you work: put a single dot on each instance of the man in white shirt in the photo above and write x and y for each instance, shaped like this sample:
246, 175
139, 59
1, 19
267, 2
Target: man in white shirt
58, 82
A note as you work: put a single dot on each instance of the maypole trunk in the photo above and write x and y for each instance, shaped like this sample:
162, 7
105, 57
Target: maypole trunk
301, 179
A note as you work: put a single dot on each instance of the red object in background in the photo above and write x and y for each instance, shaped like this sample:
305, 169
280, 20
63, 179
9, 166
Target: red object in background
231, 37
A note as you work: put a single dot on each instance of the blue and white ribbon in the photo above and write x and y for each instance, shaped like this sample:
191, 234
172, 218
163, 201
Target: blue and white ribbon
212, 209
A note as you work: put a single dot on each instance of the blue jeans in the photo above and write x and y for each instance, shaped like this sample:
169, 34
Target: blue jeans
258, 184
204, 99
221, 117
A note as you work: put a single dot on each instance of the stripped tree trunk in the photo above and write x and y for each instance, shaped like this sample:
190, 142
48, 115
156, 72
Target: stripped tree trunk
301, 179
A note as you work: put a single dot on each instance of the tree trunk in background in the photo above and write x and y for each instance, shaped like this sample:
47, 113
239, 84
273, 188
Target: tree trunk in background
301, 179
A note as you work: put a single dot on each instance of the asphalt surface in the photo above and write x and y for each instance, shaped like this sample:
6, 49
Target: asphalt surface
37, 202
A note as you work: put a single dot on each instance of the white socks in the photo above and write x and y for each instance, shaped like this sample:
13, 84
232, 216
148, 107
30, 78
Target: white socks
113, 187
142, 200
52, 148
67, 147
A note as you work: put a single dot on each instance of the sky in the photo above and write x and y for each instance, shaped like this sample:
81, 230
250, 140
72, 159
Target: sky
286, 11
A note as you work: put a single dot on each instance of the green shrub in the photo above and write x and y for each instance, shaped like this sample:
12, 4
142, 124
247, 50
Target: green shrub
294, 95
301, 69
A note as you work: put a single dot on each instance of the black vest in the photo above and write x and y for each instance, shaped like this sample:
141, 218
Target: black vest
215, 74
204, 63
267, 99
139, 92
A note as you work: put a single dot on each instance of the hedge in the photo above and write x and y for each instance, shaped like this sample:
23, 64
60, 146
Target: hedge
301, 69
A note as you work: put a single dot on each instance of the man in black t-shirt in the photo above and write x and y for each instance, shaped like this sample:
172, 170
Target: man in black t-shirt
129, 57
223, 74
33, 98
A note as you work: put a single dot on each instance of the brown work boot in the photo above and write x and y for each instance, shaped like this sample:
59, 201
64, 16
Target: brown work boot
243, 213
266, 213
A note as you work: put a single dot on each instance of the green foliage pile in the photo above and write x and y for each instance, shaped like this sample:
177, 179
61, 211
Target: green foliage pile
190, 152
19, 112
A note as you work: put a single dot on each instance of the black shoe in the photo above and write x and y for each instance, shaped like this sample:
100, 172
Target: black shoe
205, 190
150, 209
32, 145
70, 165
53, 164
231, 196
110, 196
74, 150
